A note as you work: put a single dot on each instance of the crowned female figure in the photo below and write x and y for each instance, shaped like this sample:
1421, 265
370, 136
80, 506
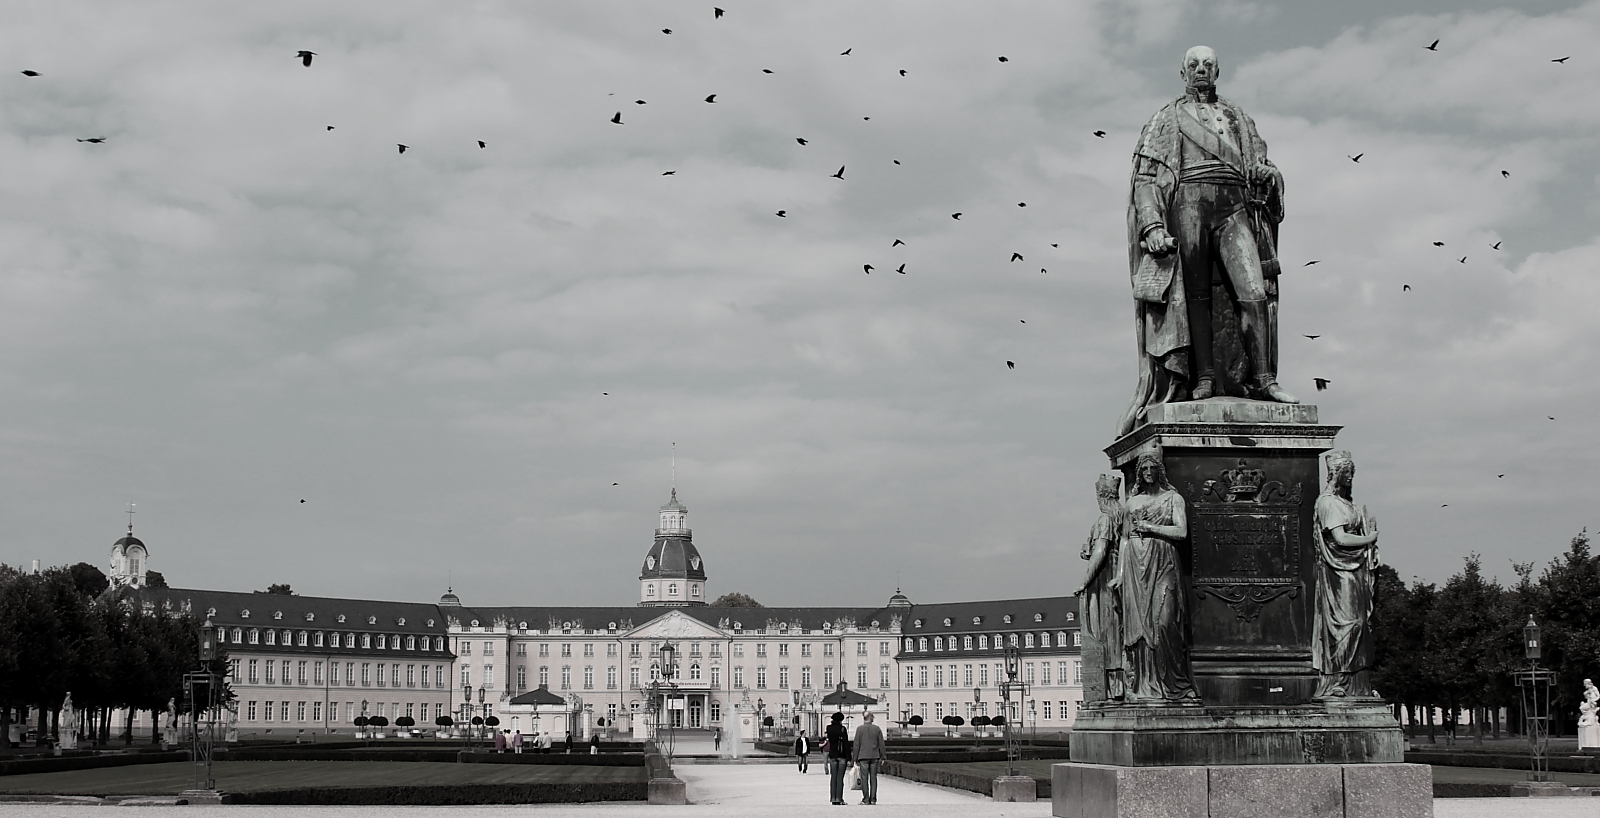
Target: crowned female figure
1154, 622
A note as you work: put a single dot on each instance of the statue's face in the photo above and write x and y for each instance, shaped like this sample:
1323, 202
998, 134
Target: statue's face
1147, 473
1200, 69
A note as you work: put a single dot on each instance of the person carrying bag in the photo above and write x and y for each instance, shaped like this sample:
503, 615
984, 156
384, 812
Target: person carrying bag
838, 748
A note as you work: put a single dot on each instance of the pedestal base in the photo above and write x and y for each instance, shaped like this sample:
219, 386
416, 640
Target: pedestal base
1255, 791
1589, 737
1019, 788
1169, 736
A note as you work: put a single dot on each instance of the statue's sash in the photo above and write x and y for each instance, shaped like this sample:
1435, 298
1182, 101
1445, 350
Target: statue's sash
1209, 141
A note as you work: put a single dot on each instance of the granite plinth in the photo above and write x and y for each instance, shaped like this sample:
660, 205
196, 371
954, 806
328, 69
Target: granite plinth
1225, 424
1017, 788
1231, 410
1257, 791
1174, 736
1540, 789
666, 792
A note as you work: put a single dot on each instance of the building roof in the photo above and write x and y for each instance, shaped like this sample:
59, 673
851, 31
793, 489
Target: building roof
581, 620
673, 504
843, 696
540, 696
1037, 613
247, 610
673, 556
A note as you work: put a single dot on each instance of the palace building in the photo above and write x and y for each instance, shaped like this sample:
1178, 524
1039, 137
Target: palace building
312, 663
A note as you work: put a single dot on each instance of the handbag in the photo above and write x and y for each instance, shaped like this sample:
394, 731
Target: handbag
852, 778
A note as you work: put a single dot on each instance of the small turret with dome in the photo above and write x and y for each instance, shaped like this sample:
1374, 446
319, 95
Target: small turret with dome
449, 600
674, 575
129, 559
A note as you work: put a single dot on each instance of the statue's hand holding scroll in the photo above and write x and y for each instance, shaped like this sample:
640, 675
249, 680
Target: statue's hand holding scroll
1158, 242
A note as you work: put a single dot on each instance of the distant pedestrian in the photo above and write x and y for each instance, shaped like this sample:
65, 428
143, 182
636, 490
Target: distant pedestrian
544, 743
499, 741
594, 744
716, 739
868, 753
802, 749
837, 743
569, 742
516, 742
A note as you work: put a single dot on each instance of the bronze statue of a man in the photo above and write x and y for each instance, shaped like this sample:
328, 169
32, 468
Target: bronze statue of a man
1346, 538
1205, 208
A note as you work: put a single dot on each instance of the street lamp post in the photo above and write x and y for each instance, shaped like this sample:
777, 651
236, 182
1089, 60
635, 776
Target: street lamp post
1008, 688
366, 732
482, 708
204, 694
1535, 684
466, 717
977, 698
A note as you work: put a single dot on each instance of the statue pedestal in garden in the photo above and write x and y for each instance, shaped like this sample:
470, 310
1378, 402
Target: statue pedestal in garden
1237, 726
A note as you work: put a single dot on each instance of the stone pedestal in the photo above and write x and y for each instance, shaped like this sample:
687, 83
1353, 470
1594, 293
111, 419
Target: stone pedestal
1242, 791
1589, 737
1540, 789
1018, 788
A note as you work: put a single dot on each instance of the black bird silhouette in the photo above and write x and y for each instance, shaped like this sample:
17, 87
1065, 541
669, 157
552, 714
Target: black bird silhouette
956, 216
1311, 262
867, 268
1495, 246
1438, 244
901, 269
1500, 475
95, 139
1101, 134
616, 484
330, 127
666, 31
1024, 320
783, 214
1312, 337
305, 57
1357, 157
1444, 505
840, 174
1433, 47
482, 144
1011, 364
669, 173
865, 118
402, 147
1042, 270
896, 161
716, 13
1003, 59
302, 501
1055, 245
1463, 259
1016, 256
1405, 288
1322, 384
766, 70
1022, 204
605, 393
1549, 417
712, 98
617, 120
31, 73
801, 141
897, 243
902, 72
846, 52
1562, 60
1505, 174
638, 102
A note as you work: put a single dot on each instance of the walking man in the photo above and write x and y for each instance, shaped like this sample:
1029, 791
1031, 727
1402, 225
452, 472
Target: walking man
869, 752
838, 744
802, 749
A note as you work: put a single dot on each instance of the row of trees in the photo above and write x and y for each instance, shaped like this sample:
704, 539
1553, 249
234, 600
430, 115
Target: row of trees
60, 632
1454, 647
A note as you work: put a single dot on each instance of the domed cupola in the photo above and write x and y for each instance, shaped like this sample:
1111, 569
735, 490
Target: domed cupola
673, 574
129, 561
449, 600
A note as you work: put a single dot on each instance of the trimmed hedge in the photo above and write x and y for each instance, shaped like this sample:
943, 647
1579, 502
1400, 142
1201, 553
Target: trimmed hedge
450, 794
582, 759
54, 764
983, 785
1504, 761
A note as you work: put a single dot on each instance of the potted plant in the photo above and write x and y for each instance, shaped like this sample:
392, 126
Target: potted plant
980, 725
915, 722
405, 723
444, 723
379, 722
361, 723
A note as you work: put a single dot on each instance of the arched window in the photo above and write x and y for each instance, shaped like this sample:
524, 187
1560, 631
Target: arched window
366, 640
1027, 640
301, 639
910, 646
672, 589
1061, 639
650, 590
983, 642
922, 643
383, 642
938, 643
238, 636
694, 671
966, 643
255, 636
272, 637
317, 640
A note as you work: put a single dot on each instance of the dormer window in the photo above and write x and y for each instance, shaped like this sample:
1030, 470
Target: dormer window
474, 623
244, 614
211, 612
1038, 617
947, 621
373, 620
341, 618
277, 614
1007, 619
401, 622
977, 620
311, 617
430, 623
916, 623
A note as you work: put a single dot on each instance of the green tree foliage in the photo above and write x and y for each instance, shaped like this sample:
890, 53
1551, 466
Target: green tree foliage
279, 588
736, 600
155, 579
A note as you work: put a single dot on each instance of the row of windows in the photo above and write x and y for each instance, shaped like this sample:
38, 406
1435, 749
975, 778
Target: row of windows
694, 649
970, 675
300, 711
317, 639
672, 589
920, 643
1036, 709
309, 672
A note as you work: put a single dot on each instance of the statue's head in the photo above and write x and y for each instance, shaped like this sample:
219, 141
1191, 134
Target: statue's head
1149, 471
1341, 468
1108, 489
1200, 69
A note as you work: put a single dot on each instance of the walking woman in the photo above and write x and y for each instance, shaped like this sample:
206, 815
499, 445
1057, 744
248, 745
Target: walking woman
838, 744
802, 749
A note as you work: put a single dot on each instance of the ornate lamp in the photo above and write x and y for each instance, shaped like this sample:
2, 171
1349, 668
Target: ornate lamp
1530, 639
208, 641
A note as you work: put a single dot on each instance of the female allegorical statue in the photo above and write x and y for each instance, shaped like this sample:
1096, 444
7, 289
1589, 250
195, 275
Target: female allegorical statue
1102, 621
1154, 637
1347, 551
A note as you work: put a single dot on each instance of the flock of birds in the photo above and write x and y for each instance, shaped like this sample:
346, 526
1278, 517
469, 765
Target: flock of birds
305, 57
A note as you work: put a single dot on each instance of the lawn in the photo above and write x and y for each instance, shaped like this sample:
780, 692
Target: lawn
252, 776
1441, 775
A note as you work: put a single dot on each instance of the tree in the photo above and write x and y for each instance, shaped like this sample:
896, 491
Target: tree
279, 588
155, 579
90, 581
736, 600
914, 721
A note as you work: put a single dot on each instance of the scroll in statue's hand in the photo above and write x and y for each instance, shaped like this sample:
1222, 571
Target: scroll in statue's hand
1158, 242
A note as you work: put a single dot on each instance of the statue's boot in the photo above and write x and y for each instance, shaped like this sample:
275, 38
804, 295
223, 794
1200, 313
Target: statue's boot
1200, 342
1253, 323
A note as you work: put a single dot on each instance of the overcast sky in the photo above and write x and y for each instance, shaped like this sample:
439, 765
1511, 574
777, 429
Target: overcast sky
227, 308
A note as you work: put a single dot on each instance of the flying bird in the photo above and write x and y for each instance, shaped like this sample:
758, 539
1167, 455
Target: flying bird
1433, 47
305, 57
1101, 134
482, 144
617, 120
1042, 270
1357, 157
1055, 245
1016, 257
956, 216
1322, 384
1022, 204
669, 173
1003, 59
31, 73
896, 161
1505, 174
712, 98
616, 484
866, 119
1011, 364
783, 214
1500, 475
1438, 244
897, 243
402, 147
638, 102
901, 269
1312, 337
1495, 246
330, 127
801, 141
1024, 320
902, 72
95, 139
766, 71
846, 52
1463, 259
1405, 288
1311, 262
605, 393
1562, 60
666, 31
1444, 505
840, 174
716, 13
867, 268
1549, 417
302, 501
